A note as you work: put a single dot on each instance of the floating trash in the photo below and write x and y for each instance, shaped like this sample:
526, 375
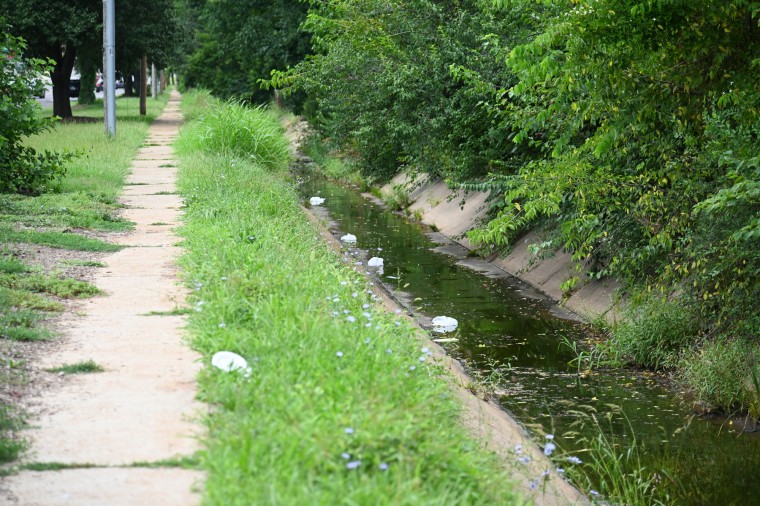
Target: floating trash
348, 238
443, 324
228, 361
446, 340
375, 262
316, 201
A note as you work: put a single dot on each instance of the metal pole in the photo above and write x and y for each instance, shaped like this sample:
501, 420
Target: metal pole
109, 66
143, 85
153, 81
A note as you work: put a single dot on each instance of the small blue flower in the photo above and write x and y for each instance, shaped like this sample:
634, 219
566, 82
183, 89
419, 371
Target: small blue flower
423, 358
524, 459
518, 449
354, 295
353, 464
349, 430
345, 455
574, 460
389, 351
533, 485
412, 368
383, 466
545, 473
366, 341
339, 354
593, 492
550, 436
365, 306
549, 448
560, 470
350, 319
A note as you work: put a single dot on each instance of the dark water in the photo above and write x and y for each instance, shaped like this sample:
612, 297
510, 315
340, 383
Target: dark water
510, 334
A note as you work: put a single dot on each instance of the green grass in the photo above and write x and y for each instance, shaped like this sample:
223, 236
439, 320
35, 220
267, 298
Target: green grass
84, 367
321, 385
64, 288
59, 240
28, 300
83, 263
331, 165
10, 423
17, 324
55, 466
178, 311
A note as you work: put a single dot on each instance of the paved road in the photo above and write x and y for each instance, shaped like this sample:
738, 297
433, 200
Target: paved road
48, 100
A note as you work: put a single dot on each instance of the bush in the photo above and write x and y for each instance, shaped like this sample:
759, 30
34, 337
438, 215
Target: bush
24, 170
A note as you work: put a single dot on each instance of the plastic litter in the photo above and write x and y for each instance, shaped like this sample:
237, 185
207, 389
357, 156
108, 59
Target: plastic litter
443, 324
316, 201
348, 238
375, 262
228, 361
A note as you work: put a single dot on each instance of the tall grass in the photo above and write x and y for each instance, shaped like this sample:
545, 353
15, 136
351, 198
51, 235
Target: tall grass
611, 468
342, 405
233, 129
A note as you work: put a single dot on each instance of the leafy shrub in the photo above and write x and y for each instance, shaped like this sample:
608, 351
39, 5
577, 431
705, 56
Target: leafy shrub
24, 170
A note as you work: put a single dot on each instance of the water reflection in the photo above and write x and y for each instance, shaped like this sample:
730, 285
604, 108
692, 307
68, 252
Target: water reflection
505, 325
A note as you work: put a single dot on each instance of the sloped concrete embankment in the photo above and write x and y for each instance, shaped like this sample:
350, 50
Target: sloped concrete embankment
454, 214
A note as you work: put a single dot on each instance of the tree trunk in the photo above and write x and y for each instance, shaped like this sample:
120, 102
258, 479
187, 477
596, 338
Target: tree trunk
61, 78
128, 86
88, 74
144, 86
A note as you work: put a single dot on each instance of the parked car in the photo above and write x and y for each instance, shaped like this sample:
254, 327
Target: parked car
74, 88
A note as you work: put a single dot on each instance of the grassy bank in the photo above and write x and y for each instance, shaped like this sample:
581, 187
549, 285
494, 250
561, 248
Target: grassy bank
47, 240
342, 405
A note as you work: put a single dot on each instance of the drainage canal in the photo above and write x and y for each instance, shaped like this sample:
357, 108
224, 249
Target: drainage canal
519, 344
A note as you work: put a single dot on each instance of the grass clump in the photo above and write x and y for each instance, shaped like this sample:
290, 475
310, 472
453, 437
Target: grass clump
64, 288
654, 333
61, 240
341, 405
725, 373
612, 467
21, 325
10, 445
84, 367
237, 130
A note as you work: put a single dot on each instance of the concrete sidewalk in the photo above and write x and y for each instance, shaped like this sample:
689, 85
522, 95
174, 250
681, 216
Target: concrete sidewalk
106, 427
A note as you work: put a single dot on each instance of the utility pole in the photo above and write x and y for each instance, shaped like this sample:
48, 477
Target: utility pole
153, 81
109, 66
143, 85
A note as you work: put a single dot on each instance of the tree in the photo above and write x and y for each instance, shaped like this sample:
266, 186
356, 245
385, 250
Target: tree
238, 43
62, 29
22, 169
54, 29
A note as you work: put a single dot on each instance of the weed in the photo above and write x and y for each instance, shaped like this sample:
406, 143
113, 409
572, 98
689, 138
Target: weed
65, 288
611, 467
55, 466
60, 240
177, 311
10, 423
83, 263
725, 373
21, 325
26, 300
85, 367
